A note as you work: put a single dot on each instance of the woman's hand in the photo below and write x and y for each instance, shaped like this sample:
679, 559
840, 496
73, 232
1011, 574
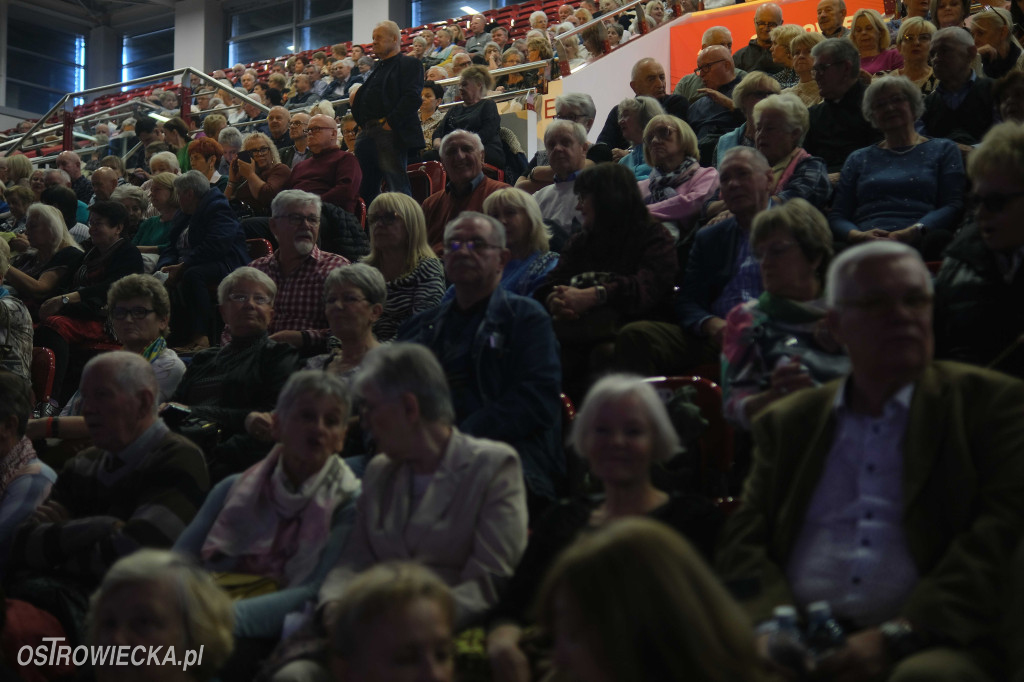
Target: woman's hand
618, 153
569, 303
988, 53
173, 273
857, 237
19, 243
790, 377
233, 175
908, 235
257, 425
508, 662
50, 307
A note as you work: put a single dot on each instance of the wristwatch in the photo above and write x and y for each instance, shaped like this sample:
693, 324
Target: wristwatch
64, 300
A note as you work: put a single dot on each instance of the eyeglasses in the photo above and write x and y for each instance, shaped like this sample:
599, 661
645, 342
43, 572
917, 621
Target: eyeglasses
996, 202
772, 250
661, 132
707, 67
297, 219
137, 313
766, 24
351, 132
257, 299
388, 217
822, 68
878, 305
260, 150
919, 38
472, 245
296, 124
317, 129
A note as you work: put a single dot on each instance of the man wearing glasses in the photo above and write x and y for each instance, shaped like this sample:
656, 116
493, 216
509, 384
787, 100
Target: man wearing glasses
892, 493
330, 172
499, 353
838, 127
714, 114
757, 56
298, 152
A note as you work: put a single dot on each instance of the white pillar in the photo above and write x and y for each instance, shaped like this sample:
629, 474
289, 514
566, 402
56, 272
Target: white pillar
198, 35
368, 13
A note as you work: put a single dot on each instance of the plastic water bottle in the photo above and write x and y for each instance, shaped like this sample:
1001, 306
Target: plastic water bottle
785, 641
824, 635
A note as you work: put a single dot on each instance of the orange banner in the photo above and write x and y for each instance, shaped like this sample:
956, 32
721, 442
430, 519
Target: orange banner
739, 19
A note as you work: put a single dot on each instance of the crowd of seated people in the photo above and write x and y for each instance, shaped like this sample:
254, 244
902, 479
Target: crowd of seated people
838, 248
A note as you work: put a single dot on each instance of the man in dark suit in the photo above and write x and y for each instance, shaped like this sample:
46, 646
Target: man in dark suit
385, 108
896, 493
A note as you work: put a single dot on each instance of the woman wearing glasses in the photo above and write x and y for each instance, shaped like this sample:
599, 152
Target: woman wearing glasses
204, 155
978, 316
999, 51
778, 343
913, 42
140, 312
223, 385
255, 183
677, 187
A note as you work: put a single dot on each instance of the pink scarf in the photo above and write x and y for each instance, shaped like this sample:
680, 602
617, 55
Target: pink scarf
799, 154
273, 530
19, 461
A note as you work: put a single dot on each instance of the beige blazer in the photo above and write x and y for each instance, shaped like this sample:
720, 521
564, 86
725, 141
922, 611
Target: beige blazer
469, 527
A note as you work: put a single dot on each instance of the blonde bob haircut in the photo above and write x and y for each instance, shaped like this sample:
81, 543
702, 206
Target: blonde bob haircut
166, 180
517, 199
783, 35
687, 138
379, 591
60, 238
806, 39
651, 608
206, 610
875, 19
417, 249
617, 387
911, 23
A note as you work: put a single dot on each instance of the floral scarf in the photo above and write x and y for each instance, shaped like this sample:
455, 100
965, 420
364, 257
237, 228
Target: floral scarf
662, 186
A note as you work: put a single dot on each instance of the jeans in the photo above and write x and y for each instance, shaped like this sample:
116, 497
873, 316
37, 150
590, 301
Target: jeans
381, 157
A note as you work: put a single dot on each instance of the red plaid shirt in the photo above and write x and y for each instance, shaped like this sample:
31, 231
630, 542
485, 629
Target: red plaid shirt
299, 303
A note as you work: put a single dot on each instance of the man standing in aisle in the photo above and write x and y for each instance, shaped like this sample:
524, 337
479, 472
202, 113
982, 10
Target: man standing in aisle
385, 108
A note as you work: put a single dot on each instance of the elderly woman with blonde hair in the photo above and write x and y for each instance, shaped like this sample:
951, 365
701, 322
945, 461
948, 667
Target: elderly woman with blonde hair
800, 50
256, 181
754, 87
622, 431
399, 249
781, 37
180, 606
526, 238
998, 48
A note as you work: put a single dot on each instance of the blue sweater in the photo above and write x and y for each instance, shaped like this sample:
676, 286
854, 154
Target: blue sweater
887, 190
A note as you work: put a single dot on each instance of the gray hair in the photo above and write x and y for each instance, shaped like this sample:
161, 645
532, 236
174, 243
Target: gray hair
841, 271
317, 383
577, 101
497, 228
751, 83
131, 193
366, 61
192, 181
575, 129
615, 387
206, 610
245, 273
167, 157
792, 109
293, 197
755, 158
230, 137
366, 278
843, 50
954, 34
391, 26
130, 372
349, 62
538, 15
900, 84
710, 33
404, 367
54, 222
644, 107
65, 178
418, 40
478, 143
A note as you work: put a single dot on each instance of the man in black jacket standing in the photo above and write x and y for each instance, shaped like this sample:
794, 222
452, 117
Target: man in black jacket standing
385, 108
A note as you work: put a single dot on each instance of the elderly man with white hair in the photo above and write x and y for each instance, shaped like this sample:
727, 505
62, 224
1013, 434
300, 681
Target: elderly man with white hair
462, 154
757, 55
138, 485
479, 37
572, 107
71, 163
566, 145
892, 493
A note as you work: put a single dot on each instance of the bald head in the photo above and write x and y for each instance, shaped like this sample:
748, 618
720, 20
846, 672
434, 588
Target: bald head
323, 133
277, 121
70, 163
767, 17
715, 66
104, 181
716, 35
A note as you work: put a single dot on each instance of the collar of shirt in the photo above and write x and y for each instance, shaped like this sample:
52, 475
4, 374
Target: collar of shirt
900, 398
568, 178
473, 184
954, 98
140, 447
